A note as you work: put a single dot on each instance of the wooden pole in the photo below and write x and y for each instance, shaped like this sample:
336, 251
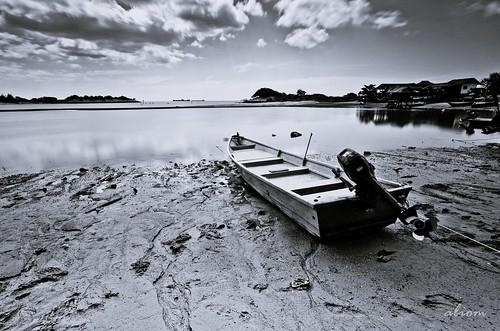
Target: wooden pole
307, 149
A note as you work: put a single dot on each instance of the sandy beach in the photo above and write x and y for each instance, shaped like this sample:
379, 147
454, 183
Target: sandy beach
189, 247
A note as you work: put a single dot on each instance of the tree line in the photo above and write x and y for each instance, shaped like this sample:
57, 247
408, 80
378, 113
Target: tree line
9, 98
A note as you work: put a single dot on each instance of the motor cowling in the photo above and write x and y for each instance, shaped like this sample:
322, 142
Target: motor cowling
361, 172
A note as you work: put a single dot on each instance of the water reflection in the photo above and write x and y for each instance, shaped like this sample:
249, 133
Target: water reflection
41, 140
446, 119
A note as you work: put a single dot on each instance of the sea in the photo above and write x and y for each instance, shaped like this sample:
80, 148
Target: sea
84, 135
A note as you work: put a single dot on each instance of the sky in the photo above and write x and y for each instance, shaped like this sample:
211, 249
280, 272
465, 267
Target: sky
160, 50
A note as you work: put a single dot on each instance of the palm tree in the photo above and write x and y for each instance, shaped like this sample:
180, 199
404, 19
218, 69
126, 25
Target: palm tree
492, 85
369, 93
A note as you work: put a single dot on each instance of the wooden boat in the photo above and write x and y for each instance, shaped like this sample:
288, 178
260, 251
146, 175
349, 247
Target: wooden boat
309, 192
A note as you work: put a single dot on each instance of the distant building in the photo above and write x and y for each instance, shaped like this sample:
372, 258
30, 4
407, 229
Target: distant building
465, 85
426, 91
385, 89
455, 89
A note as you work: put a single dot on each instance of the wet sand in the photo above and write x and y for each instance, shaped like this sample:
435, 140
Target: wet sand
188, 247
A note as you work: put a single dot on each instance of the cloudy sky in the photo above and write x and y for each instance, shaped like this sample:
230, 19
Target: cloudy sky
226, 49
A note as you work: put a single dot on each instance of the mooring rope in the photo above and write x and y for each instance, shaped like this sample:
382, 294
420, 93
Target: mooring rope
411, 157
471, 239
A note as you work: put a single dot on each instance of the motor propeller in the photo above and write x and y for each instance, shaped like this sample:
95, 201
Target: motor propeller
368, 188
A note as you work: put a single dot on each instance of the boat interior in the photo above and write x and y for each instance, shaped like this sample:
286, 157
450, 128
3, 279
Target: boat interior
311, 181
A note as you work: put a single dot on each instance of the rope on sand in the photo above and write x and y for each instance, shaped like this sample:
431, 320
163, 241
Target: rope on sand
471, 239
411, 157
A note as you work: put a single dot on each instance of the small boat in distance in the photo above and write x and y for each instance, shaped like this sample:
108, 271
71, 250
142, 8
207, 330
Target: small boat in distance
316, 195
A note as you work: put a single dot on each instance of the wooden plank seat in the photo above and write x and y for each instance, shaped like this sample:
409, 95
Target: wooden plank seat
290, 172
262, 162
326, 186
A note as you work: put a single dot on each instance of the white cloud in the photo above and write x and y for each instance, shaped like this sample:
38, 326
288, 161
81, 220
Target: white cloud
391, 19
311, 19
261, 43
226, 36
489, 8
252, 7
493, 8
196, 44
119, 29
328, 14
241, 68
306, 38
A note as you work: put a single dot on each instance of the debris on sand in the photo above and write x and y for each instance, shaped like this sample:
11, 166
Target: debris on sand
295, 134
9, 182
110, 294
50, 274
70, 226
440, 299
383, 256
3, 286
140, 267
100, 206
260, 287
397, 170
210, 231
300, 284
7, 313
177, 244
252, 224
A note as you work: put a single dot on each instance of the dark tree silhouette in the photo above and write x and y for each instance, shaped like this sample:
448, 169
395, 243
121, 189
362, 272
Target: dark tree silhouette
492, 85
369, 93
9, 98
301, 93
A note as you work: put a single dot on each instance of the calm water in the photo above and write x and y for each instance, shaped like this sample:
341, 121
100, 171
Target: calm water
30, 140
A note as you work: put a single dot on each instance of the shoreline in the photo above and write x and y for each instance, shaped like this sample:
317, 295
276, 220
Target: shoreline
307, 104
197, 106
168, 245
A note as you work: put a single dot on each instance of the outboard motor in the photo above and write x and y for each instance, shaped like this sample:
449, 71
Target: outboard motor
367, 188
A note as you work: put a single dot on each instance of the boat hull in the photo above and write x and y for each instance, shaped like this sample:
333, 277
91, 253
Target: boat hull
330, 219
297, 210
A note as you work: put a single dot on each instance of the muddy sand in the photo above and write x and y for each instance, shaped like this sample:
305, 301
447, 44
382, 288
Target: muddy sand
167, 246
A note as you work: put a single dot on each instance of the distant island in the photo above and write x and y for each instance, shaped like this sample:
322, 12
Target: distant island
269, 95
9, 98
